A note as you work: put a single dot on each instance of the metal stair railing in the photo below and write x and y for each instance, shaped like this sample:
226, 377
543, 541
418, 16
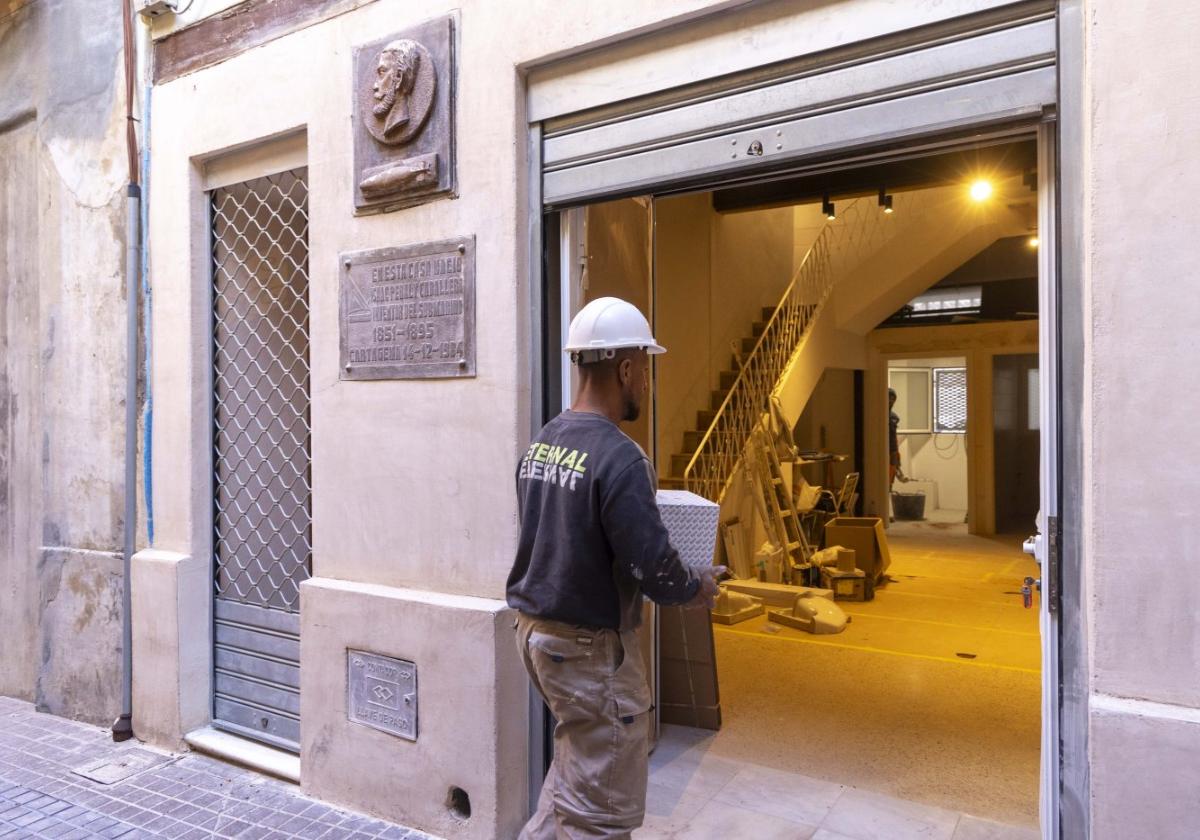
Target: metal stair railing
859, 228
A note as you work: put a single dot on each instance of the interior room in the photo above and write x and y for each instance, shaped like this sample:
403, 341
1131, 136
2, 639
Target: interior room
873, 633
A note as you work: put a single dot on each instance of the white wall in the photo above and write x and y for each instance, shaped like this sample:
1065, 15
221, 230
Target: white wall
941, 458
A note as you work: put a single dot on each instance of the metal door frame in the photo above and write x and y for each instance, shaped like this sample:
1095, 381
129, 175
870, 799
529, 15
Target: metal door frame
1065, 782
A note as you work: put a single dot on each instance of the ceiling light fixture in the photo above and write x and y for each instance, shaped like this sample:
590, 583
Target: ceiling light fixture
981, 189
827, 208
885, 200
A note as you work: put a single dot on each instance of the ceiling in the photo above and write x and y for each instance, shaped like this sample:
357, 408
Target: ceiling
995, 161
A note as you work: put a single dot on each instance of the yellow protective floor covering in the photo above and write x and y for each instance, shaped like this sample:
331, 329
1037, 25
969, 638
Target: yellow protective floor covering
931, 694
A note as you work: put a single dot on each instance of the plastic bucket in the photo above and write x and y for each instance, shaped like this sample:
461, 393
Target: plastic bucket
909, 505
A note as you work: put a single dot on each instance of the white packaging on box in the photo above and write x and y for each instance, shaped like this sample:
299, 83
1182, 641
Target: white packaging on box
691, 521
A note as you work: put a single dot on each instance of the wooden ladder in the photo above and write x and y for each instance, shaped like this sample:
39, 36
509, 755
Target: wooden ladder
773, 498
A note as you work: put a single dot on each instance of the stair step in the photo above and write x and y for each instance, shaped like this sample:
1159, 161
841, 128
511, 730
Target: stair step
758, 328
748, 344
716, 398
704, 418
691, 439
767, 312
679, 462
674, 482
728, 377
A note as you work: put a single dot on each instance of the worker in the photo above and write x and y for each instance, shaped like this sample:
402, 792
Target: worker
893, 440
591, 544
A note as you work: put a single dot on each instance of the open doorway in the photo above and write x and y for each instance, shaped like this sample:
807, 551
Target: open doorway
924, 683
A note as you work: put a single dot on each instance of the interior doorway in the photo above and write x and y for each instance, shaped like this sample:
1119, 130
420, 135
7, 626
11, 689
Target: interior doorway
1017, 440
929, 692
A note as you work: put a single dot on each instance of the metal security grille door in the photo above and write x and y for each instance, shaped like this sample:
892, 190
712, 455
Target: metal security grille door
262, 512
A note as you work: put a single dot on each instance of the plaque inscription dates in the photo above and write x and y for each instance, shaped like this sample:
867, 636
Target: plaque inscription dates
404, 118
408, 312
382, 693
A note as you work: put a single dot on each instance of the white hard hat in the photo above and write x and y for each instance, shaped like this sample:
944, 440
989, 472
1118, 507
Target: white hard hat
606, 325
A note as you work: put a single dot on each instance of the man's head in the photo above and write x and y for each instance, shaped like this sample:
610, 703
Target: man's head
891, 397
610, 340
625, 376
395, 75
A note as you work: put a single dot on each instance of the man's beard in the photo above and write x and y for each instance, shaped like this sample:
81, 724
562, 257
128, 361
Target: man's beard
389, 99
631, 410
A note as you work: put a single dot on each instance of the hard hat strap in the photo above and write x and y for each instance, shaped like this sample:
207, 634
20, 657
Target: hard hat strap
587, 357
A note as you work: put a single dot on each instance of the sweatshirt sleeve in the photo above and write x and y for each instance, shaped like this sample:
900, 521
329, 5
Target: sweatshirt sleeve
639, 541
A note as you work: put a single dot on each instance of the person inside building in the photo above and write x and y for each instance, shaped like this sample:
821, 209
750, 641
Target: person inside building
591, 544
894, 470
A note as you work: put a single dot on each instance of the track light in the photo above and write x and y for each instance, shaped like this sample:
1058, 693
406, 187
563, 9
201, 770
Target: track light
885, 201
981, 189
827, 208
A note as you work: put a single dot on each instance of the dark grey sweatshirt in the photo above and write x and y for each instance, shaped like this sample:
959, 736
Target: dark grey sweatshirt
591, 540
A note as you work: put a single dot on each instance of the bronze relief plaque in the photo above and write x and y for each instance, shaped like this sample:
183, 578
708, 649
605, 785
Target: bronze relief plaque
408, 312
404, 118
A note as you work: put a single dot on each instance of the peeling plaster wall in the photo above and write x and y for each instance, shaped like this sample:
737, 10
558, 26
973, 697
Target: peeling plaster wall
62, 354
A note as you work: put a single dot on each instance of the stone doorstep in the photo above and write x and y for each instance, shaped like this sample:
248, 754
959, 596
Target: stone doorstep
245, 753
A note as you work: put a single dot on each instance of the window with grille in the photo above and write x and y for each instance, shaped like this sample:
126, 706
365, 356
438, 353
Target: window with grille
950, 400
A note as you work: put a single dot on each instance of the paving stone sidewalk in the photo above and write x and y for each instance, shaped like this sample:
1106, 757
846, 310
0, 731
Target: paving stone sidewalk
182, 797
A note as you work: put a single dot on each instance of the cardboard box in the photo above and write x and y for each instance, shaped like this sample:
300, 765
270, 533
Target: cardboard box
688, 693
846, 586
866, 537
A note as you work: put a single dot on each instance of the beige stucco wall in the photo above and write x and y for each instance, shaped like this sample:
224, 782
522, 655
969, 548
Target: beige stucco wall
456, 535
1141, 451
412, 480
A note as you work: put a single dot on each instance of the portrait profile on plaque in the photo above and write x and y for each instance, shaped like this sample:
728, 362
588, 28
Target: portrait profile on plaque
404, 118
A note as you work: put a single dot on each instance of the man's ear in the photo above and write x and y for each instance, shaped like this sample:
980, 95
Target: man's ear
625, 371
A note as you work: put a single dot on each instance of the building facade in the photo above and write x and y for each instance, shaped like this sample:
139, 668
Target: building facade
376, 494
62, 264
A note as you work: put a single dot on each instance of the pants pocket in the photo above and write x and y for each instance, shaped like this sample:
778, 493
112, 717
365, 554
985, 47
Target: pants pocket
571, 671
629, 685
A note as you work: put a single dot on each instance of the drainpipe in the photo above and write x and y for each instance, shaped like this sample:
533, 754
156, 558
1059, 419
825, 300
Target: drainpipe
122, 729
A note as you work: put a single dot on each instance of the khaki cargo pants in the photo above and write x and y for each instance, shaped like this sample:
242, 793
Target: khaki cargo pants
594, 682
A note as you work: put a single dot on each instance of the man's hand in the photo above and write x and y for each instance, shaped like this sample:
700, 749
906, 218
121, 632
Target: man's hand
706, 595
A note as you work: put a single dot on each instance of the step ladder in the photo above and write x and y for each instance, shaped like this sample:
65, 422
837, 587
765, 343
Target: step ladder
773, 498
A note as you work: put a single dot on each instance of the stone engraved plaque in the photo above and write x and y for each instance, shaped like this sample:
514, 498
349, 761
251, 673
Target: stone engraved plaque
404, 118
382, 693
408, 312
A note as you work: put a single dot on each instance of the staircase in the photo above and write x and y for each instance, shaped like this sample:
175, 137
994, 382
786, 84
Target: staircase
705, 417
714, 448
864, 251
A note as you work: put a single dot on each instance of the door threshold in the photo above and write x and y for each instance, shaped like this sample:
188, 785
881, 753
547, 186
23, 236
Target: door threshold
244, 752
